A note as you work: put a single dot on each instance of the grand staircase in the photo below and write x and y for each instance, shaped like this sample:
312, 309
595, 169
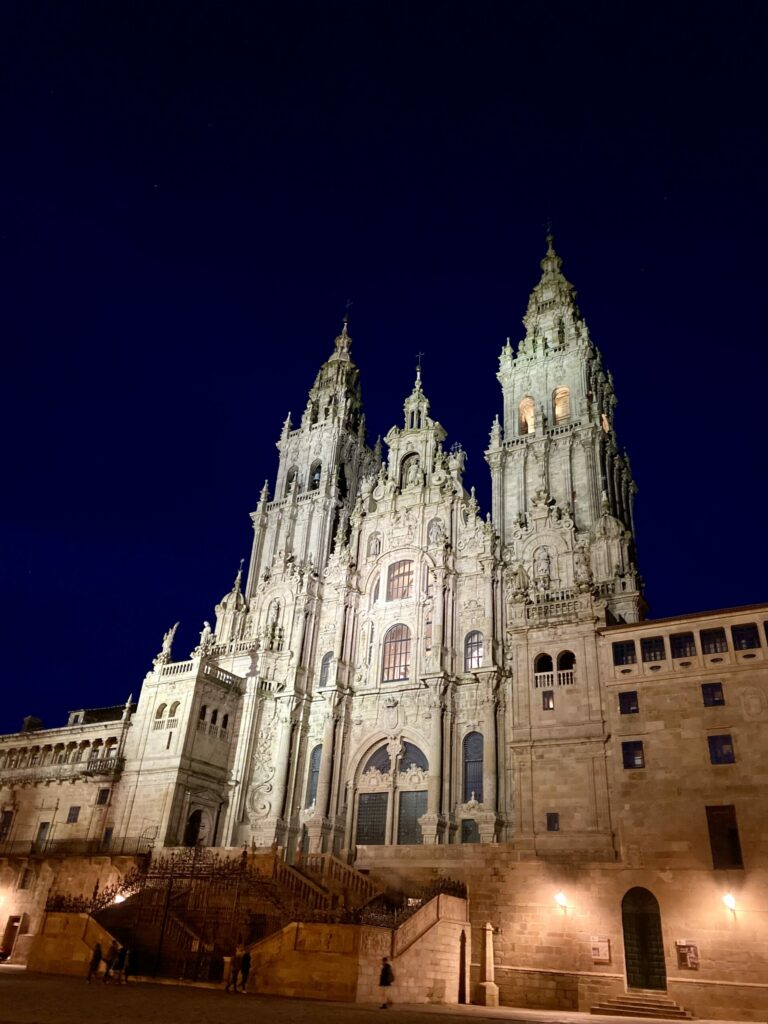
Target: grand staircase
642, 1003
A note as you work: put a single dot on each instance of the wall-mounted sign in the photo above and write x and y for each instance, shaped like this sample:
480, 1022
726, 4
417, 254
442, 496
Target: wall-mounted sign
601, 949
687, 955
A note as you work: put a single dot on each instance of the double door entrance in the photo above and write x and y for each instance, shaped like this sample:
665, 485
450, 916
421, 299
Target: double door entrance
376, 826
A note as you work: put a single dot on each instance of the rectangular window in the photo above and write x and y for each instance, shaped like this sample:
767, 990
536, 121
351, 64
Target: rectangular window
624, 653
628, 703
721, 749
724, 837
713, 641
25, 878
548, 700
712, 694
653, 648
103, 796
683, 645
470, 833
73, 815
553, 821
400, 580
745, 636
6, 817
633, 754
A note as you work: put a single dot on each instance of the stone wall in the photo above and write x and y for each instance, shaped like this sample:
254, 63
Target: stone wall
65, 943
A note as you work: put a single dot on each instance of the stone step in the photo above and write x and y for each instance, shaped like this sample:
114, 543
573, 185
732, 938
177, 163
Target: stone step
640, 1004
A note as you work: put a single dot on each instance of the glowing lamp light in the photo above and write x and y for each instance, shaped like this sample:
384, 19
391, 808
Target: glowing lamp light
119, 899
730, 901
560, 899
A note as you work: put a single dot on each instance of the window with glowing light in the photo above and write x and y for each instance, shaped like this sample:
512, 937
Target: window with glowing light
527, 416
400, 580
562, 405
396, 661
473, 650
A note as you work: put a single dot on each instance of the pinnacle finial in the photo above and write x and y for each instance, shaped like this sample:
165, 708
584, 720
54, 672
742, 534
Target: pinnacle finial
238, 578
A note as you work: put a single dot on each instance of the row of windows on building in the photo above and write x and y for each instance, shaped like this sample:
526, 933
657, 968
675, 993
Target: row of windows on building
59, 754
745, 636
712, 696
561, 410
720, 751
397, 649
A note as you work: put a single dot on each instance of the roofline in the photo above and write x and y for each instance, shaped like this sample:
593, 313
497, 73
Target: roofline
739, 609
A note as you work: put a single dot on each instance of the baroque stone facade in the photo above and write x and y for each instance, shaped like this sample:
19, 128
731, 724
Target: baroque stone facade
397, 671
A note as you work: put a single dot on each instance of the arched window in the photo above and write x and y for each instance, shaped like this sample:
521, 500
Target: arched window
561, 402
473, 767
314, 476
160, 711
214, 716
543, 672
527, 416
566, 664
374, 545
203, 712
379, 760
174, 709
473, 650
313, 775
325, 668
291, 479
400, 580
225, 722
396, 664
412, 757
543, 663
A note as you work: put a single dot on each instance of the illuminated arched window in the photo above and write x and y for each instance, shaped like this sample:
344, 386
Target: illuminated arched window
473, 651
527, 416
325, 668
313, 775
562, 404
314, 476
400, 580
473, 767
396, 663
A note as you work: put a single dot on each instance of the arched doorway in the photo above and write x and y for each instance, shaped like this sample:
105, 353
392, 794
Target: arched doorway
643, 941
192, 831
392, 798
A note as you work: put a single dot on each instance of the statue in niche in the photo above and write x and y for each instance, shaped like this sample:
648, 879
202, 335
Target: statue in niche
541, 568
435, 531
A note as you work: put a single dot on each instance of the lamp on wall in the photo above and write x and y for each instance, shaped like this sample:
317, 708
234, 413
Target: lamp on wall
730, 901
561, 899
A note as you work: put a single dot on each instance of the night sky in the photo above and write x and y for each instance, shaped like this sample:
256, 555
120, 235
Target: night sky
190, 193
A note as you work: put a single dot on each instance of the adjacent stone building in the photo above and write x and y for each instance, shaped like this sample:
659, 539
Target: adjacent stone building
419, 689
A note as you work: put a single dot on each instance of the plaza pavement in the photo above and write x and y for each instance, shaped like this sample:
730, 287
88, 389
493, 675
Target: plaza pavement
51, 999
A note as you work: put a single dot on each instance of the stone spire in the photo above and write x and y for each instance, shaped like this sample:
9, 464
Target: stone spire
552, 320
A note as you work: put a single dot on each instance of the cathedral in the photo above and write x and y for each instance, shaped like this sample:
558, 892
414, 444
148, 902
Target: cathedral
413, 688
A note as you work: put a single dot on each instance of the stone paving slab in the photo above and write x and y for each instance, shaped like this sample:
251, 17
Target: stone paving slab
27, 998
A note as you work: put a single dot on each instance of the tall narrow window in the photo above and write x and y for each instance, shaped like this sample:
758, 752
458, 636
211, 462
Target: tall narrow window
400, 580
473, 651
527, 416
313, 775
724, 837
290, 480
473, 767
562, 405
314, 476
325, 668
396, 663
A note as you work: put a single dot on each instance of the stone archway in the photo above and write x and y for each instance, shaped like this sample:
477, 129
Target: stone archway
643, 940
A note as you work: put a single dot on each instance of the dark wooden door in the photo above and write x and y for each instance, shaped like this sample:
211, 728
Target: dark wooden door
643, 940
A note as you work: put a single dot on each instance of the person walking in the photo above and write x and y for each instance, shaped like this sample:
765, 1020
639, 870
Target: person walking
234, 970
245, 970
93, 966
110, 959
386, 977
121, 965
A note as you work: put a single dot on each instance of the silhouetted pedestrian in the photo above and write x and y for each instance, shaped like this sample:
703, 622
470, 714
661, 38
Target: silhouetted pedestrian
386, 977
234, 970
110, 959
245, 970
93, 966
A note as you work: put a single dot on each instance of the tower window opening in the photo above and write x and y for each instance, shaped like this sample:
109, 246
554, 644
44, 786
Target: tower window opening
396, 664
314, 476
527, 416
553, 821
562, 405
473, 650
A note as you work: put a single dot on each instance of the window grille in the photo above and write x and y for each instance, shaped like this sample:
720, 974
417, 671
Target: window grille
73, 815
396, 664
371, 819
473, 651
400, 580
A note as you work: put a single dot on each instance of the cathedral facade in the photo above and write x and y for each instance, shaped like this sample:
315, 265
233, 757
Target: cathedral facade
395, 671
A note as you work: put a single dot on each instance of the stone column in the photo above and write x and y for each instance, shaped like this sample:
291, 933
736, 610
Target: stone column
489, 752
487, 989
326, 764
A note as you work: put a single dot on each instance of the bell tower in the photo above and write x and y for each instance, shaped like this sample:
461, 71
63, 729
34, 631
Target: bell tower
321, 463
555, 456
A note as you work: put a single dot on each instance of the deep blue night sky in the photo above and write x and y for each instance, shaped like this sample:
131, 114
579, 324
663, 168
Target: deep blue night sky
188, 195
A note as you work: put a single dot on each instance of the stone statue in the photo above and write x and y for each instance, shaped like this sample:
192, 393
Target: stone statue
435, 531
541, 564
413, 477
168, 641
205, 636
